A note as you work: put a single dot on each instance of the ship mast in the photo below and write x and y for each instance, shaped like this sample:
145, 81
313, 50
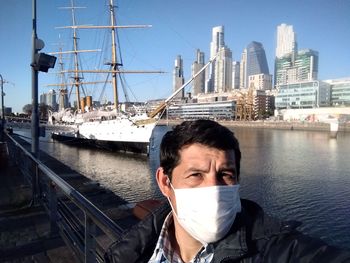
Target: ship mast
114, 64
77, 83
76, 77
62, 90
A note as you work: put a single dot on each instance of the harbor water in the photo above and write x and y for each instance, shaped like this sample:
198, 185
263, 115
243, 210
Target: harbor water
293, 175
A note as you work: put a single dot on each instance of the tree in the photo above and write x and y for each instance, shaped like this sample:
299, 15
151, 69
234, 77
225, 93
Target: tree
43, 110
27, 109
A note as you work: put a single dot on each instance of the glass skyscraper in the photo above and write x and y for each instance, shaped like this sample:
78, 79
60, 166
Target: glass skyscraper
178, 77
296, 68
256, 60
220, 72
199, 82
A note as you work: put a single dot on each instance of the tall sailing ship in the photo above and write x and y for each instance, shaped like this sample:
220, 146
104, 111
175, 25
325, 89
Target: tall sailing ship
104, 126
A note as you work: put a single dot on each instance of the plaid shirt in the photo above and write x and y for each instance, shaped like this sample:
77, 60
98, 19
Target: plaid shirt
164, 253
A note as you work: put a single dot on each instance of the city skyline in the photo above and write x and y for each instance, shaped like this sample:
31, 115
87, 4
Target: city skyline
178, 28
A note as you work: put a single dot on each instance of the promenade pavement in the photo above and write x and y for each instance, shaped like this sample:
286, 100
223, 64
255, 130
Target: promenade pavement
24, 227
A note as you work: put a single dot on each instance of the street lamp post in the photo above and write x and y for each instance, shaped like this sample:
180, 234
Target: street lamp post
40, 62
2, 107
35, 115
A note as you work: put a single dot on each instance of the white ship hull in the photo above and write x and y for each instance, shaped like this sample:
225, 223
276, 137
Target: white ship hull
115, 132
118, 130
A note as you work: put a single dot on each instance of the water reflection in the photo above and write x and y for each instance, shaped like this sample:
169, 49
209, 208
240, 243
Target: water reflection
299, 175
292, 174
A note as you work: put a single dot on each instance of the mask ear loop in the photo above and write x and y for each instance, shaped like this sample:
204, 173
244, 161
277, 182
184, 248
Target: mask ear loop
168, 182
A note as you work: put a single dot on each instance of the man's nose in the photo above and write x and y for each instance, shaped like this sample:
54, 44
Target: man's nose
213, 179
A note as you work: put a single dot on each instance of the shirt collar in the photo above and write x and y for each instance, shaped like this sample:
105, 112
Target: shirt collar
164, 247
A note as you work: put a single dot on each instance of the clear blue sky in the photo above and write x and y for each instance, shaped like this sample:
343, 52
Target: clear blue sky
179, 27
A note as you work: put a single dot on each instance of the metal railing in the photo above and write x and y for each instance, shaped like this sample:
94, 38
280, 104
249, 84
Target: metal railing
74, 217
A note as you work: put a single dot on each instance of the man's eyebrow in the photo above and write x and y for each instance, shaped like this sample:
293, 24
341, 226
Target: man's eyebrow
195, 169
229, 167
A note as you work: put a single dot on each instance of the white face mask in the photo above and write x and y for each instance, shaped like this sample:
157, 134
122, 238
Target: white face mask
207, 213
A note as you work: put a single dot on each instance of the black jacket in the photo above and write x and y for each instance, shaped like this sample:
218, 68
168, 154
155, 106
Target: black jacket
254, 237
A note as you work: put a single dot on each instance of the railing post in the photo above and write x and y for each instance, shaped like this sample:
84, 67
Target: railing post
90, 240
35, 183
53, 208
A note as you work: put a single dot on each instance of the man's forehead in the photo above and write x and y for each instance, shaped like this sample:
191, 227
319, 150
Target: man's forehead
199, 151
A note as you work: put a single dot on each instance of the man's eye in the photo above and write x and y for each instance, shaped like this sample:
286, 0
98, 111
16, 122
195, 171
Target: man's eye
228, 176
196, 174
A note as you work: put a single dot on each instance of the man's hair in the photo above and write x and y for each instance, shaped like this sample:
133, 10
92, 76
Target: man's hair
206, 132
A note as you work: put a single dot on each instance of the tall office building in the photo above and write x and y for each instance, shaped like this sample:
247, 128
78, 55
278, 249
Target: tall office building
243, 70
296, 68
217, 41
63, 102
235, 74
43, 98
291, 65
256, 61
223, 71
178, 77
306, 62
199, 81
286, 40
215, 45
51, 99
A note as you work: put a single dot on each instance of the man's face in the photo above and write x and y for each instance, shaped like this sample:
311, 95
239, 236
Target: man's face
199, 166
202, 166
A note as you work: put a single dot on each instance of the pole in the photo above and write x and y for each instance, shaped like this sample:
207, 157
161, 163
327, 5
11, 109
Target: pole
114, 57
35, 117
2, 108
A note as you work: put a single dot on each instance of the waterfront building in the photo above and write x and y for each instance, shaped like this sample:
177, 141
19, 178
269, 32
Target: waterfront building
340, 92
299, 68
178, 78
256, 61
286, 40
291, 65
223, 71
199, 82
253, 62
217, 41
49, 99
243, 70
216, 44
63, 101
43, 98
310, 94
235, 74
264, 105
286, 49
219, 110
260, 81
324, 114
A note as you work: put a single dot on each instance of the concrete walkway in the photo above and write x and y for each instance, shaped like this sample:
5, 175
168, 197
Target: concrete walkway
24, 228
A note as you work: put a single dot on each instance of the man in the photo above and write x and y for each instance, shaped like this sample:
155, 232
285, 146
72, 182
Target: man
206, 221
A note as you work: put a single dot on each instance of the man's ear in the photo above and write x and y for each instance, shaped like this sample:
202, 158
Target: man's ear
163, 182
